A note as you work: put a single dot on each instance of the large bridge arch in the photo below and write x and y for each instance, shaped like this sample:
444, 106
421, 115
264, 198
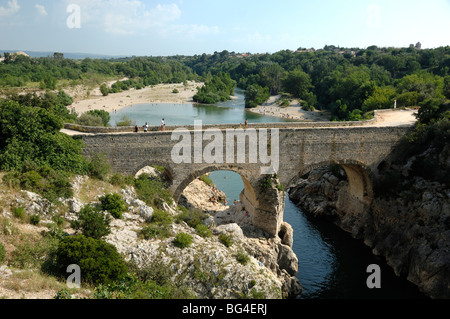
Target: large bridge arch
359, 194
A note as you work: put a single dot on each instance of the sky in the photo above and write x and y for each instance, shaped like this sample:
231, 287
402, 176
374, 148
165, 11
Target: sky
190, 27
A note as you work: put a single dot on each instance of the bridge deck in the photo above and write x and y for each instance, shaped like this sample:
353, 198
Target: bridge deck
383, 118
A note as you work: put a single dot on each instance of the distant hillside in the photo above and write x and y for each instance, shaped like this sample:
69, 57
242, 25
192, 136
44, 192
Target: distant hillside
68, 55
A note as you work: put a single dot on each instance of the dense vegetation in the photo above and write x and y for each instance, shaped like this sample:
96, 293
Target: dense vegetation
347, 82
217, 88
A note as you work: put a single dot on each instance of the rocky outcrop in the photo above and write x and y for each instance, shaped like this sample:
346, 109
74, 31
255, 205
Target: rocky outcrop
273, 253
411, 230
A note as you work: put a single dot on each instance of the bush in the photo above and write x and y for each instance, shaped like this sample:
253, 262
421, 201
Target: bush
125, 121
225, 239
2, 253
45, 181
18, 212
242, 257
192, 217
92, 222
175, 91
114, 204
155, 231
161, 217
203, 231
35, 219
183, 240
87, 119
99, 167
100, 263
152, 190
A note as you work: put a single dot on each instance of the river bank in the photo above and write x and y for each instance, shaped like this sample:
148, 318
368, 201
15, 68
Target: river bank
293, 111
162, 93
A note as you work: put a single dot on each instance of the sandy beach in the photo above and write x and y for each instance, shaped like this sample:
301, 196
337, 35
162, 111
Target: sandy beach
162, 93
294, 111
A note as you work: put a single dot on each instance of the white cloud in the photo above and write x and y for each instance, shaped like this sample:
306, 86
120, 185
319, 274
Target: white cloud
41, 9
128, 17
12, 7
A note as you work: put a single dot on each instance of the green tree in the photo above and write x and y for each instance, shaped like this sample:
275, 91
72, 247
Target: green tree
99, 261
104, 89
33, 134
256, 95
92, 222
297, 83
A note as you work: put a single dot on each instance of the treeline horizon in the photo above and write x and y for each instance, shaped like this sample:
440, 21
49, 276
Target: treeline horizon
348, 82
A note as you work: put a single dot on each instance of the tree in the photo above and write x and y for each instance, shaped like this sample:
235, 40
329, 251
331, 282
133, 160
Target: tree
271, 77
256, 95
92, 222
58, 56
297, 83
104, 89
33, 134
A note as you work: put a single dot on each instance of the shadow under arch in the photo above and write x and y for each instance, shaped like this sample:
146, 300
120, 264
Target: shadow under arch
248, 192
360, 182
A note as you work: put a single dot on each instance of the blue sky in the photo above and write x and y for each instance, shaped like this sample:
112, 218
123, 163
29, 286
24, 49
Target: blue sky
188, 27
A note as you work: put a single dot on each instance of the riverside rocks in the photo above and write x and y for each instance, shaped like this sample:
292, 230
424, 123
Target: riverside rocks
411, 230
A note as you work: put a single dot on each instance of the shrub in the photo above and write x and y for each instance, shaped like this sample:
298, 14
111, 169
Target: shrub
155, 231
192, 217
242, 257
225, 239
92, 222
18, 212
175, 91
203, 231
114, 204
99, 261
161, 217
30, 254
87, 119
125, 121
99, 167
183, 240
35, 219
2, 253
152, 190
45, 181
118, 180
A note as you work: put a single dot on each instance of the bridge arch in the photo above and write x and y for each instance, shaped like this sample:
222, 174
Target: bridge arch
248, 192
360, 186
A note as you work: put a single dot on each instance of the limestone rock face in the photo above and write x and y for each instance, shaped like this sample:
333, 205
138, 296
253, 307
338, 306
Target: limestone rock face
411, 230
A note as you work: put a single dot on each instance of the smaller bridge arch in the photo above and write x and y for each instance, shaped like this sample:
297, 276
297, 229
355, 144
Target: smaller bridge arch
248, 191
360, 183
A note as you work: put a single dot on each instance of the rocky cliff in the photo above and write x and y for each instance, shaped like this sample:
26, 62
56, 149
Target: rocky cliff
409, 227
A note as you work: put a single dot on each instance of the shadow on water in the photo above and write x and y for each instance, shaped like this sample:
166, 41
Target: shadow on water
333, 265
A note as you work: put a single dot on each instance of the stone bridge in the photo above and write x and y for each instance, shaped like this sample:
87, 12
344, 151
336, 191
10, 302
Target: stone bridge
358, 149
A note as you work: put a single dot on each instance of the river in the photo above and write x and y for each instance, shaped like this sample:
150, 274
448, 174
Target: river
332, 265
229, 112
